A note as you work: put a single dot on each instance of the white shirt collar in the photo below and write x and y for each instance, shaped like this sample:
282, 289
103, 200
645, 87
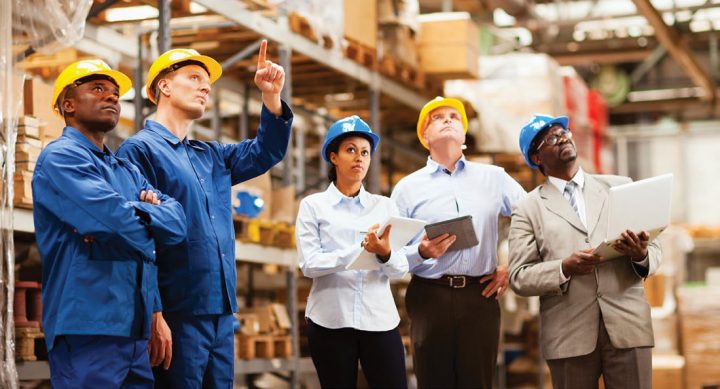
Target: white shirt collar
433, 166
336, 196
560, 184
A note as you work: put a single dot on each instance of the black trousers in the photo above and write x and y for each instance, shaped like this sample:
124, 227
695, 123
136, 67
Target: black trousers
336, 352
454, 333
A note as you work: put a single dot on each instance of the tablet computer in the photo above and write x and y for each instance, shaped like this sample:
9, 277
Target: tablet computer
462, 227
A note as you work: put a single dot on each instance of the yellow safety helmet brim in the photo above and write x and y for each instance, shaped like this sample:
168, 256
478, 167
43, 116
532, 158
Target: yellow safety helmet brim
85, 68
437, 103
171, 57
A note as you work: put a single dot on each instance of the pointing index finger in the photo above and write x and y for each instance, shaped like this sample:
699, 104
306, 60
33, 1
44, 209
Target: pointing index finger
261, 57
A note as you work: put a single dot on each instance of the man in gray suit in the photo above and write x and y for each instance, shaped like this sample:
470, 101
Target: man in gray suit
594, 317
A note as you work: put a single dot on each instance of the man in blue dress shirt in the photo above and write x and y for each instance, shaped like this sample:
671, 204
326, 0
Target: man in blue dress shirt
197, 278
96, 220
452, 297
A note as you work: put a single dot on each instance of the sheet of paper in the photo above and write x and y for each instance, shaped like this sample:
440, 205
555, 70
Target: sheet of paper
403, 230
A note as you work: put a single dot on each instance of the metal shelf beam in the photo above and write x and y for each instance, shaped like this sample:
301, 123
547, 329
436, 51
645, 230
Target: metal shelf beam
235, 11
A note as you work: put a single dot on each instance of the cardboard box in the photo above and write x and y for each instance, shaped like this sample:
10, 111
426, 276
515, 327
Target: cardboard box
22, 138
449, 61
399, 13
399, 43
267, 323
27, 152
25, 166
655, 290
285, 206
23, 189
699, 310
449, 45
28, 126
667, 371
449, 28
701, 371
49, 134
38, 103
360, 22
665, 330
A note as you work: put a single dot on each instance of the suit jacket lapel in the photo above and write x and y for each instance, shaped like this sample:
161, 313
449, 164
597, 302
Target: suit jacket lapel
595, 199
556, 203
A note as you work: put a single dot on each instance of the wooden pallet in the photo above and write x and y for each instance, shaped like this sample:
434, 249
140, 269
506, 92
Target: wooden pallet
262, 346
282, 346
267, 233
300, 25
25, 343
284, 236
361, 54
403, 72
246, 229
254, 346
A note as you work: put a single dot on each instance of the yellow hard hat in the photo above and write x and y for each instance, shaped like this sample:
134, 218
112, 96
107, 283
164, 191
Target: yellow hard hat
437, 103
174, 56
84, 68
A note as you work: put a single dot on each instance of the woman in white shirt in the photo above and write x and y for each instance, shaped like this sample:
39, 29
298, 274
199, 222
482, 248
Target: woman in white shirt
351, 314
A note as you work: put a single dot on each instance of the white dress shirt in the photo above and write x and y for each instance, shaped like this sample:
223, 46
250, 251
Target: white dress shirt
579, 179
329, 229
435, 194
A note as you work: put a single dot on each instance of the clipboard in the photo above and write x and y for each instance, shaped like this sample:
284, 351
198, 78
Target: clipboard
403, 231
462, 227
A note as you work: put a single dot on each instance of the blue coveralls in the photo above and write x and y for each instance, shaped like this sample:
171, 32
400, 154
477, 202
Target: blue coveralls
98, 296
197, 278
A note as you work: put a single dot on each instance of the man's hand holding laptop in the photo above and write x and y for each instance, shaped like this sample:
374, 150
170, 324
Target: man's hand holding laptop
584, 261
633, 245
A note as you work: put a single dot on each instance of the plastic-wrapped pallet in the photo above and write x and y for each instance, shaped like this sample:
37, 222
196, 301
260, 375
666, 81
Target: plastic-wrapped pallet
512, 87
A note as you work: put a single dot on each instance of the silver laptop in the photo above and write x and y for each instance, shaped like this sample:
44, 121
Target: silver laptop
637, 206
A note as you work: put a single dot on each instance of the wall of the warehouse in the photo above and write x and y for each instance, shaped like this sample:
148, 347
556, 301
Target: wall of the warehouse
689, 151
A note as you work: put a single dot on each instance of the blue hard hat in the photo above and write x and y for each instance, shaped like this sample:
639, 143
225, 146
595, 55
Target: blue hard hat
533, 127
349, 125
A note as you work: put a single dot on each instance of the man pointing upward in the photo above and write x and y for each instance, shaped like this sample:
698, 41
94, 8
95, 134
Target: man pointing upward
192, 337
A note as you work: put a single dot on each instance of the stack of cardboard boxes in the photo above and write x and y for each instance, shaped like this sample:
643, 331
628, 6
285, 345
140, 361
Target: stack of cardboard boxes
27, 151
263, 333
699, 311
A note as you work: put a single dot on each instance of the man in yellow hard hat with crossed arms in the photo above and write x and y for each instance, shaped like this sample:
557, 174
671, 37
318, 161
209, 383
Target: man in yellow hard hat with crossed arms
192, 337
96, 223
452, 297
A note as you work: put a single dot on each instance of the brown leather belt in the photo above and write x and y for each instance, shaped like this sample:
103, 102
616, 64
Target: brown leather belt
451, 281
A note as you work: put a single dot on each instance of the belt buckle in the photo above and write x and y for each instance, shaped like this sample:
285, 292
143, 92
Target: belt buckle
457, 286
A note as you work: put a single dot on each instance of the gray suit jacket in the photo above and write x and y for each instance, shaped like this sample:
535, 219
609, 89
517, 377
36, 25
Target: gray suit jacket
544, 230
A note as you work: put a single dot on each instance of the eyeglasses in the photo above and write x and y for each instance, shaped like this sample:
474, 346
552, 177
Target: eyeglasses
553, 139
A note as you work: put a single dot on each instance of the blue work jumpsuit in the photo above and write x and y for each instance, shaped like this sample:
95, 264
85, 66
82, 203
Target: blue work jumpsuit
99, 277
197, 277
